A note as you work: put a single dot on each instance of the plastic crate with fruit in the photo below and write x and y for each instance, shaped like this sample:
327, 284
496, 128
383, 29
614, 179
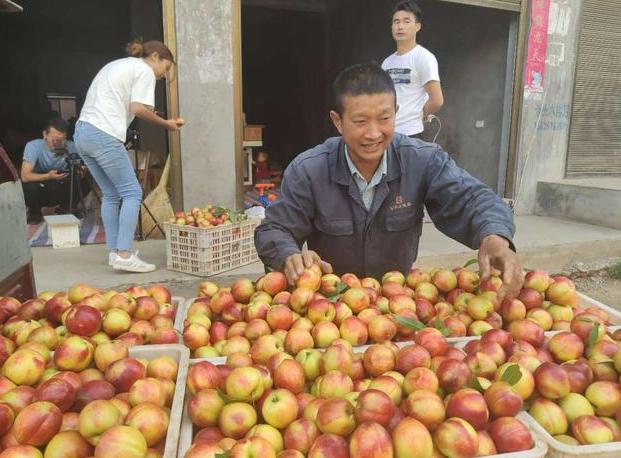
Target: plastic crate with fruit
205, 251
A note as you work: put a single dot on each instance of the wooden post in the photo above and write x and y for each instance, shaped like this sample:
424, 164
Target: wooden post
516, 106
172, 102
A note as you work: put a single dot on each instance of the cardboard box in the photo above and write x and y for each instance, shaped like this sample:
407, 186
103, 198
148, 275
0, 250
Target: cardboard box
253, 132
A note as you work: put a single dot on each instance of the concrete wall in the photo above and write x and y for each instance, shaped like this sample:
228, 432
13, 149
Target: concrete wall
544, 128
470, 44
205, 57
581, 200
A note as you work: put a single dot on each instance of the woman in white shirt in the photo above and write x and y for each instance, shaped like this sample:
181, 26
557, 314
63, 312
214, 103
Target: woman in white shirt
122, 90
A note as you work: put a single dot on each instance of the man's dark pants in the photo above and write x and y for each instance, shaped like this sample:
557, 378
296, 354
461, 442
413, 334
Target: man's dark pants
52, 193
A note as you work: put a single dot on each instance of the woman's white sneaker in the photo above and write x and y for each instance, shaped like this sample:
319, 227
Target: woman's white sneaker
132, 264
111, 257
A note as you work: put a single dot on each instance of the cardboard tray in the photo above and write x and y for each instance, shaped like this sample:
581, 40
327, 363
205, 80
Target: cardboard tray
187, 430
180, 354
557, 449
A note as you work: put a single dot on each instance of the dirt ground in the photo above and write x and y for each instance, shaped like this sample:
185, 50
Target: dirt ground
594, 281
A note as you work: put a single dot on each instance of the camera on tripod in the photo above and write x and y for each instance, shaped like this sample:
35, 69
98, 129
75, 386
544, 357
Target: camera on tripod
60, 150
132, 139
74, 162
73, 159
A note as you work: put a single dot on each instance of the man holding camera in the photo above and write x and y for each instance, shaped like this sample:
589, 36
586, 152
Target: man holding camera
45, 172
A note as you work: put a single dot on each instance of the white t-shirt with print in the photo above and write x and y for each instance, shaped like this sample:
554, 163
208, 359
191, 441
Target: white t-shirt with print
410, 72
115, 87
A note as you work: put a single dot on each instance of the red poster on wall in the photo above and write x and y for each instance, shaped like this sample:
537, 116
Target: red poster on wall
537, 45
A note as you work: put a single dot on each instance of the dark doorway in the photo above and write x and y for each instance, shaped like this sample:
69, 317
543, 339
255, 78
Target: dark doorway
284, 78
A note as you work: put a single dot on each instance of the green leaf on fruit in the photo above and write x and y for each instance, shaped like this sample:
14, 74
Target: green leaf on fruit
593, 335
470, 262
476, 385
223, 455
512, 375
439, 325
340, 287
408, 322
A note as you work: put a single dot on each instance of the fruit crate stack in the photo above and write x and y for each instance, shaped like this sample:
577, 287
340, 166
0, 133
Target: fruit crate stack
200, 247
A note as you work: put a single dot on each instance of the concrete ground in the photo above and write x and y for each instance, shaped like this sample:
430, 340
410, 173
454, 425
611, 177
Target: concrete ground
545, 243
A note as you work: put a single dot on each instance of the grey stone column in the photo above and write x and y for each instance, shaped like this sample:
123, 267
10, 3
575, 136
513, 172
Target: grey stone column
205, 41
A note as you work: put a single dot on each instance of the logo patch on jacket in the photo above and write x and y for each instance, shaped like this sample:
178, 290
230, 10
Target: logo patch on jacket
400, 202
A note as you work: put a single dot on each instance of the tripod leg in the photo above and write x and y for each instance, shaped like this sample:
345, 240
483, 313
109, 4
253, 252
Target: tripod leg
81, 197
71, 179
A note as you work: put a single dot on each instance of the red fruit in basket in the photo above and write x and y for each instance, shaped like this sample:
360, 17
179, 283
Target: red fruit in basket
527, 330
165, 336
502, 400
412, 356
375, 406
130, 338
580, 375
273, 283
7, 416
123, 373
589, 429
552, 381
456, 437
530, 298
220, 300
37, 423
146, 308
510, 435
66, 444
329, 446
91, 391
55, 307
32, 309
7, 347
470, 405
432, 340
242, 290
217, 332
75, 353
203, 375
122, 441
150, 420
195, 336
371, 440
57, 391
160, 293
453, 375
209, 434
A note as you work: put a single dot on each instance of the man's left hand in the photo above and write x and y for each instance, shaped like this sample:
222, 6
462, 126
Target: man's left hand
494, 253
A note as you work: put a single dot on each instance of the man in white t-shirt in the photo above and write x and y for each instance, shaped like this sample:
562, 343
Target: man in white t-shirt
414, 70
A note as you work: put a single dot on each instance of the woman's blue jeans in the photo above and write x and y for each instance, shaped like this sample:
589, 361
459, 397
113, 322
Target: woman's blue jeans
108, 161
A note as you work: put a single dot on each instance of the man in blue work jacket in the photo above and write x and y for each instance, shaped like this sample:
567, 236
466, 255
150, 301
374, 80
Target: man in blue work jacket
358, 199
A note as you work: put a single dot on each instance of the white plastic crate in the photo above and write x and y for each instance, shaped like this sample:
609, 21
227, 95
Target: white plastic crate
180, 354
557, 449
614, 316
206, 251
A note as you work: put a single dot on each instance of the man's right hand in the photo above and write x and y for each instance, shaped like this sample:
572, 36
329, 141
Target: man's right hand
295, 264
54, 175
